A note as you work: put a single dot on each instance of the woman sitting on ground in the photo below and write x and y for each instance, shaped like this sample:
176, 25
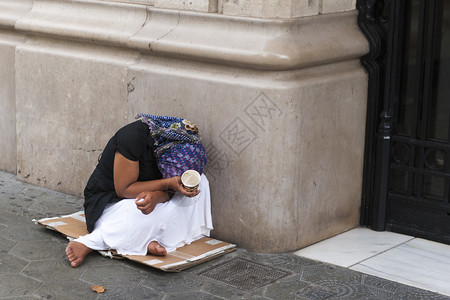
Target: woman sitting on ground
127, 205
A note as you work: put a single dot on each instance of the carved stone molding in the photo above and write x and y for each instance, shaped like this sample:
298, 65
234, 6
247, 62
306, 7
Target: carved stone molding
109, 23
256, 43
12, 10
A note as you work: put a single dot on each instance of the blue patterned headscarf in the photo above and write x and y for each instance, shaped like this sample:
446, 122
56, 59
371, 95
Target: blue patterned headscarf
177, 144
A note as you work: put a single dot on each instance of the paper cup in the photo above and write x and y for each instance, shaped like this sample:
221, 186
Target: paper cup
190, 180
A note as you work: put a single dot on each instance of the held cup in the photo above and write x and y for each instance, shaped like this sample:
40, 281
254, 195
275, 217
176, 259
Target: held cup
190, 180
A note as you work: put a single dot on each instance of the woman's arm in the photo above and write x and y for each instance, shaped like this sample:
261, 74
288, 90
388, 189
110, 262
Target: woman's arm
126, 173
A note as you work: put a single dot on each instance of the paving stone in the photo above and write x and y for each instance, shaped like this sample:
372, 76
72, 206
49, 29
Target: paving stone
328, 273
25, 298
36, 192
5, 177
287, 288
254, 297
10, 219
290, 262
15, 285
52, 270
10, 264
172, 282
54, 207
39, 250
33, 215
95, 259
405, 292
191, 296
346, 291
52, 203
67, 289
239, 253
11, 187
15, 203
223, 291
313, 292
113, 274
380, 283
125, 292
207, 265
286, 261
27, 232
244, 274
6, 245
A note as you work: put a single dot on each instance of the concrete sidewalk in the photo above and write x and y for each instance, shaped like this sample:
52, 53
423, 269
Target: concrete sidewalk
33, 265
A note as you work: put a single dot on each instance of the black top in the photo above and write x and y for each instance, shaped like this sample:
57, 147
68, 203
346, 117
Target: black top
135, 143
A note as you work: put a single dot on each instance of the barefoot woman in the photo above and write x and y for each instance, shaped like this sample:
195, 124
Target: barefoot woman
130, 208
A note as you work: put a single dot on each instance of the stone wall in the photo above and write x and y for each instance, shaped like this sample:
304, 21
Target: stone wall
10, 12
279, 99
258, 8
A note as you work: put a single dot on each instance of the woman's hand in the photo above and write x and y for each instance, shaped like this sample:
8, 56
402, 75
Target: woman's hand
176, 185
146, 202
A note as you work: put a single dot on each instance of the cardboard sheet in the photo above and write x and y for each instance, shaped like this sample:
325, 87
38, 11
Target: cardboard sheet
202, 250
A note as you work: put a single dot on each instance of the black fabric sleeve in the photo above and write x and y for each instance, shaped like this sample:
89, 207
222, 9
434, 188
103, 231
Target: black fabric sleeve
131, 141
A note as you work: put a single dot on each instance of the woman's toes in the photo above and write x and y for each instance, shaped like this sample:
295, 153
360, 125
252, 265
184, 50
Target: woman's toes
76, 253
156, 249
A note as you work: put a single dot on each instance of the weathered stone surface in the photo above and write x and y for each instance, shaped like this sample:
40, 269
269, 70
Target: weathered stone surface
33, 250
8, 43
5, 244
15, 203
191, 296
113, 275
287, 287
255, 43
330, 274
272, 9
10, 264
174, 283
10, 219
11, 189
74, 116
12, 10
52, 270
285, 8
195, 5
222, 290
126, 292
25, 232
15, 285
106, 22
66, 289
327, 6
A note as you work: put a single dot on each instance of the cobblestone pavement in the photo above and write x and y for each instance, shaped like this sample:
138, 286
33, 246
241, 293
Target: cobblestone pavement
33, 265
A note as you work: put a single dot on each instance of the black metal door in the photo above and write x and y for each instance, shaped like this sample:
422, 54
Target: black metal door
418, 197
407, 166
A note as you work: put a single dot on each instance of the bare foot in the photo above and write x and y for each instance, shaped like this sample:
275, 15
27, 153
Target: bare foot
155, 248
76, 253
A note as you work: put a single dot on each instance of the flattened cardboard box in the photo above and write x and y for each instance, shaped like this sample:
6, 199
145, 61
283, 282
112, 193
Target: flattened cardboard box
199, 251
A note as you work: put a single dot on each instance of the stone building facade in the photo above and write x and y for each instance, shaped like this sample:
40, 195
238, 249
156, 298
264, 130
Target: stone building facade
275, 86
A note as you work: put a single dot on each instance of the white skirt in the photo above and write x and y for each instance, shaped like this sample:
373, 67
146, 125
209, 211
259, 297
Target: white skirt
172, 224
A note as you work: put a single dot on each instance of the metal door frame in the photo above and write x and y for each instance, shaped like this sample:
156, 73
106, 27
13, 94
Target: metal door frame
382, 22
